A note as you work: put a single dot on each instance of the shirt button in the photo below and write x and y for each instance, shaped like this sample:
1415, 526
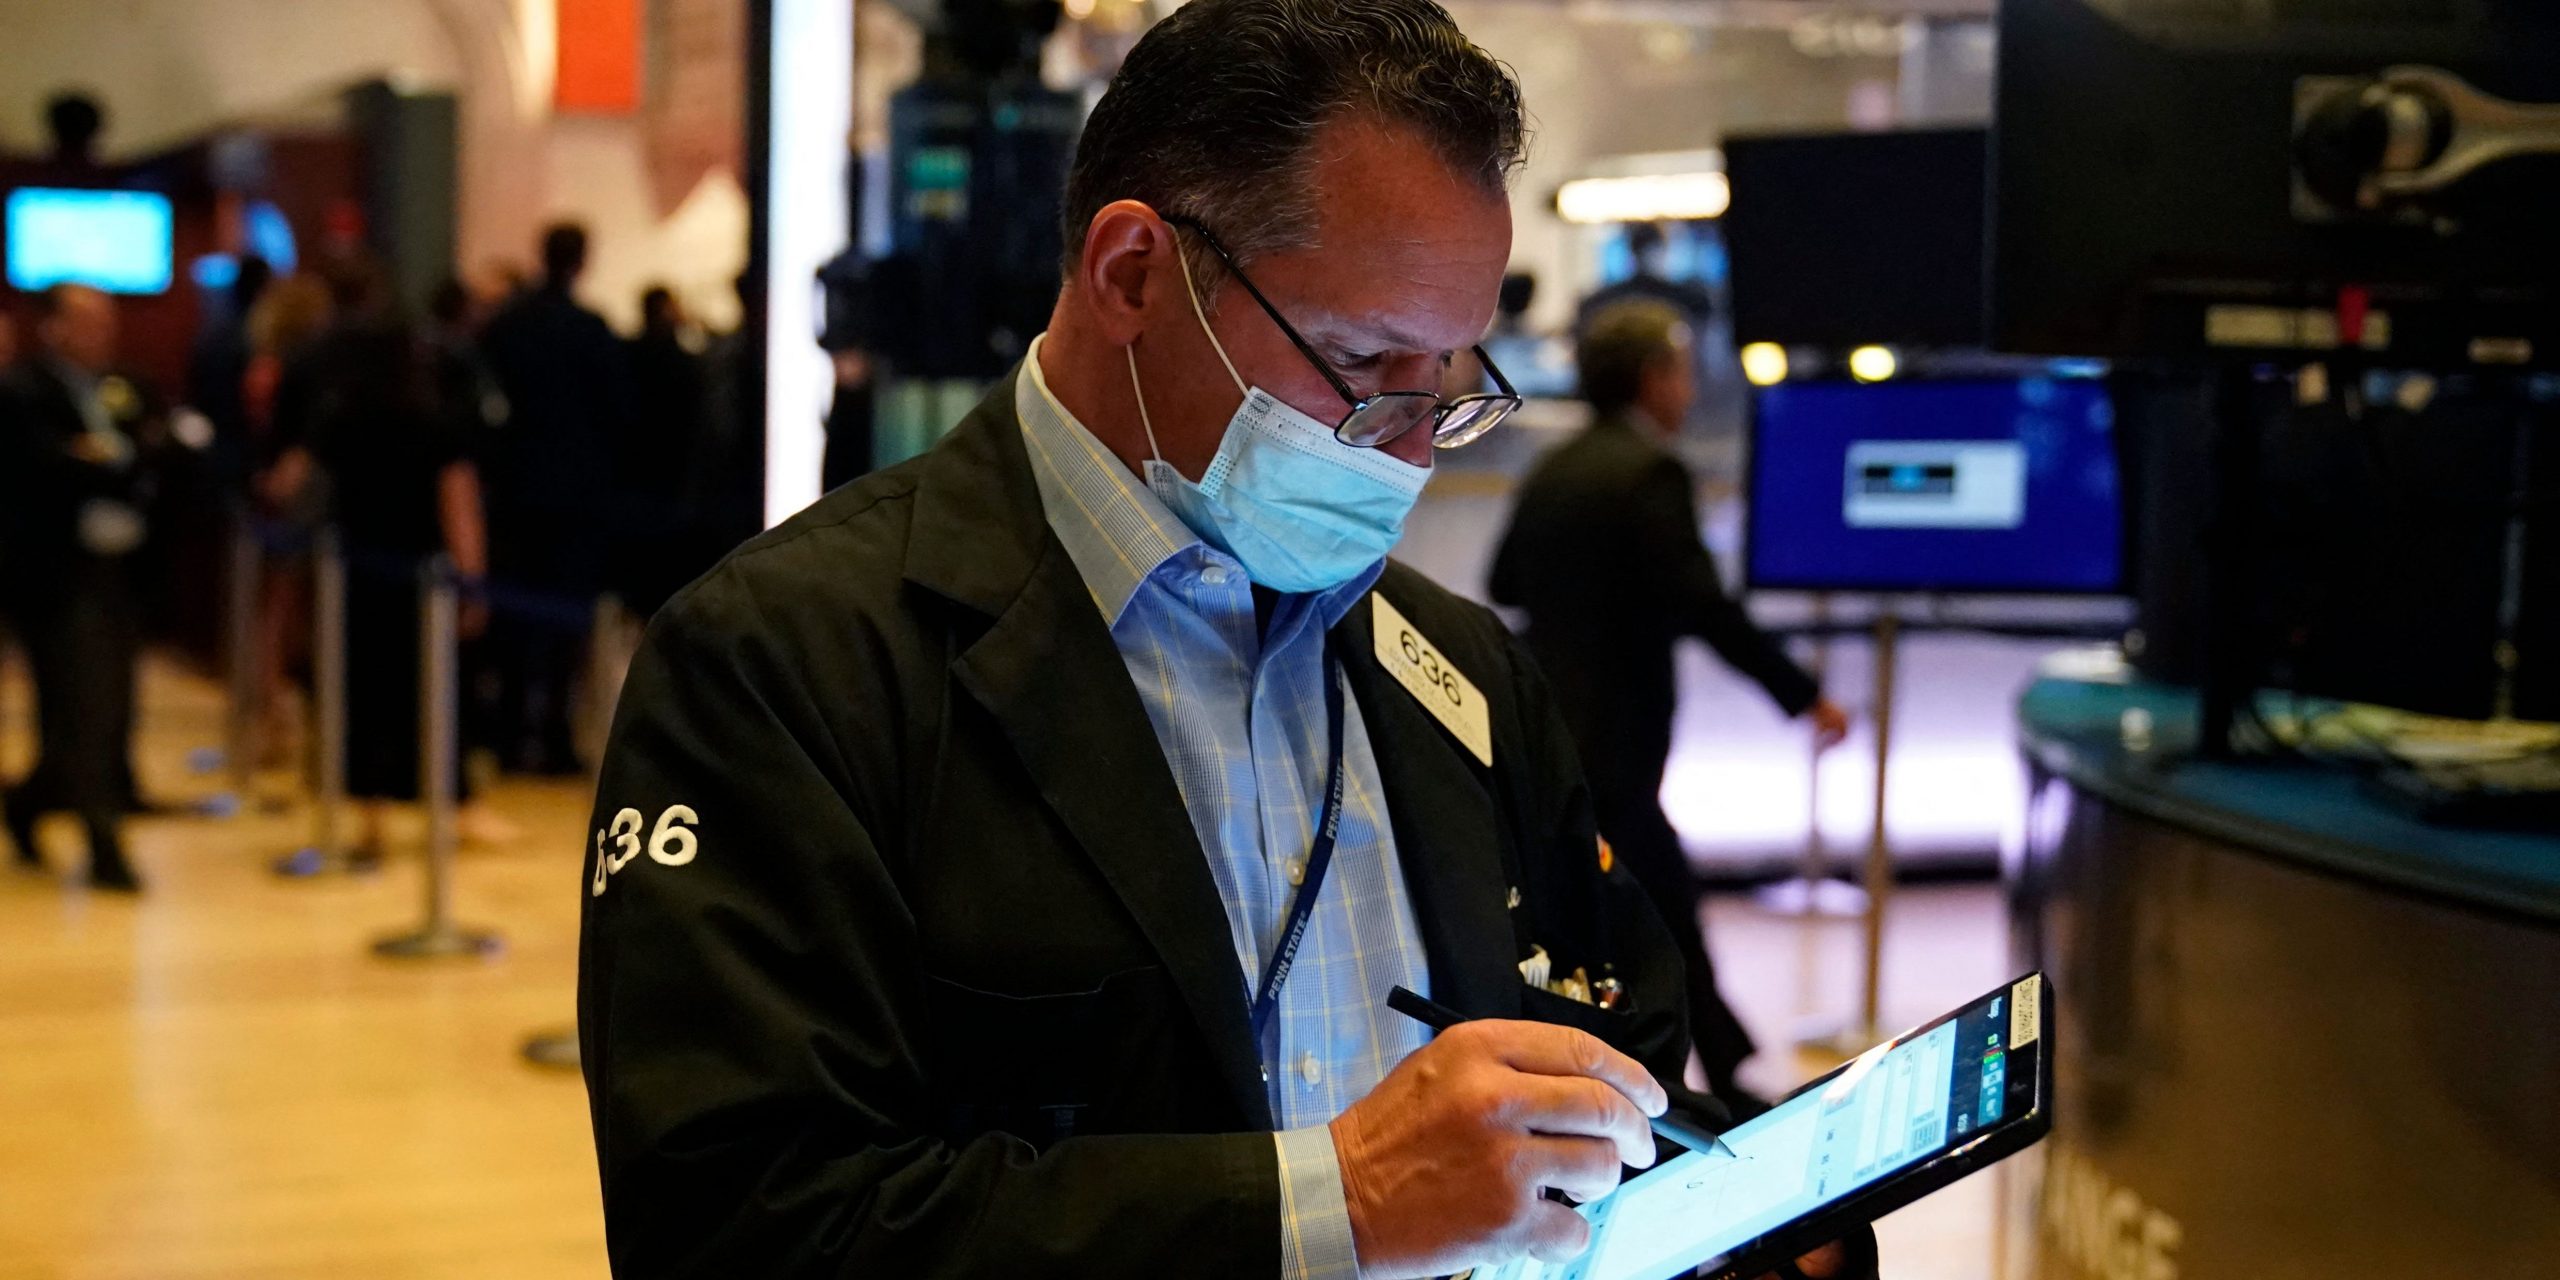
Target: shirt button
1297, 872
1215, 575
1310, 1070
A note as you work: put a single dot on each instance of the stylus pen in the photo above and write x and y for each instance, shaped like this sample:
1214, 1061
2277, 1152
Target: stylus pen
1440, 1017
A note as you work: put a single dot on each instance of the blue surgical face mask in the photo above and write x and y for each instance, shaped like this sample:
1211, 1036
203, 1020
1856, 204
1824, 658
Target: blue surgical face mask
1301, 510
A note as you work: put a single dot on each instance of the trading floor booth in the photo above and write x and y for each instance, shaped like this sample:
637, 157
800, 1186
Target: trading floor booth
2296, 877
2298, 1032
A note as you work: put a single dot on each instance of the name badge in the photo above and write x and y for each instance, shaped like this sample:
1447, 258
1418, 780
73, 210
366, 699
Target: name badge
1441, 688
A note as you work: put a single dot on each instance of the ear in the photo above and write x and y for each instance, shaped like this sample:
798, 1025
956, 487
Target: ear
1127, 260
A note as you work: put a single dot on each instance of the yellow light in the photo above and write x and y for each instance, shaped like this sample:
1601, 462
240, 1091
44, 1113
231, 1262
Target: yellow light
1764, 364
1873, 364
1647, 198
1079, 9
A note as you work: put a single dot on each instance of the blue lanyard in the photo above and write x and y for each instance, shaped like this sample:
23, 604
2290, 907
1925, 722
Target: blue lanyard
1302, 908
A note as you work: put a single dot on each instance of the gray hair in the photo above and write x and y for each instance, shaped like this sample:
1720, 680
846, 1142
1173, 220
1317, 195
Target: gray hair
1619, 344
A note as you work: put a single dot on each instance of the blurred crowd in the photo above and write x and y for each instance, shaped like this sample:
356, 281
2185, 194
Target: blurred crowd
505, 437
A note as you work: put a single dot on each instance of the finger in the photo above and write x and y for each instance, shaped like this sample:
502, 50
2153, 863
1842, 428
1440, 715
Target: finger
1578, 1106
1823, 1262
1584, 1168
1542, 1048
1554, 1232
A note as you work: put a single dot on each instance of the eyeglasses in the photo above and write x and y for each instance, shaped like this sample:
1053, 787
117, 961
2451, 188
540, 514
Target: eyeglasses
1376, 420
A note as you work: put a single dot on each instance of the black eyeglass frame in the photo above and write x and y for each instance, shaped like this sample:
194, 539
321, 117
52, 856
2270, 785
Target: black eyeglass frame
1507, 399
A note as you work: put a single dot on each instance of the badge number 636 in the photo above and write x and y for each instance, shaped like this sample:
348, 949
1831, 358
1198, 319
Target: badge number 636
1426, 661
672, 843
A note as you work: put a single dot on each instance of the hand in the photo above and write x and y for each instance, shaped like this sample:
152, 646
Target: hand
96, 450
1830, 1262
1830, 724
279, 485
1444, 1162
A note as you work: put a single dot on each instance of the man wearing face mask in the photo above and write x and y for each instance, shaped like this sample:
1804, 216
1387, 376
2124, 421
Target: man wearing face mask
1001, 868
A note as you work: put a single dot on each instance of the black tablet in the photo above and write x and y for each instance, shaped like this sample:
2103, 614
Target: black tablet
1906, 1118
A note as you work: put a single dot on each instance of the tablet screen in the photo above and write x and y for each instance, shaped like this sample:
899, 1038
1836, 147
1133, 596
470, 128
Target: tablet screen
1894, 1107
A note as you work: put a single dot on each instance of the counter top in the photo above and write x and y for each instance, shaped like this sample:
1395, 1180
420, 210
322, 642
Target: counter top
2318, 816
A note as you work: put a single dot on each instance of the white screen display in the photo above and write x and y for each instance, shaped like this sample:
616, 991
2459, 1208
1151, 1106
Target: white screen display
1936, 484
118, 241
1894, 1107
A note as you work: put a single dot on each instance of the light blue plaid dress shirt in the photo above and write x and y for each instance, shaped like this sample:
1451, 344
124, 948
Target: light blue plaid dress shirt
1241, 717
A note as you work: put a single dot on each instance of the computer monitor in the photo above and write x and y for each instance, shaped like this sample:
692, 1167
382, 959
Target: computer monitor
1958, 485
2232, 181
1840, 240
118, 241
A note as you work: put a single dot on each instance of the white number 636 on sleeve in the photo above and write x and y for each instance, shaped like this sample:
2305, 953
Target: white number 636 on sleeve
672, 843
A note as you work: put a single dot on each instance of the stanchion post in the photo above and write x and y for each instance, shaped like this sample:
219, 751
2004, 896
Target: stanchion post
329, 694
327, 850
1879, 841
240, 726
1813, 895
439, 716
1839, 1042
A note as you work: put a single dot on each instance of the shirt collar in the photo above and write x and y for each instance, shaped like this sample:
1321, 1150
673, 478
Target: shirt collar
1114, 530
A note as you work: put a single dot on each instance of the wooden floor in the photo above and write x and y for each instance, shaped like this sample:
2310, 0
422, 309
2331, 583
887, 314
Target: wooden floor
221, 1082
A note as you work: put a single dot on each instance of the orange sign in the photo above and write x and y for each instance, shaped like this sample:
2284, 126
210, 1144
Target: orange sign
599, 68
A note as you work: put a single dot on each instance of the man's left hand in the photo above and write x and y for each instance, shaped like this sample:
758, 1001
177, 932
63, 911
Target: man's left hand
1853, 1258
1830, 724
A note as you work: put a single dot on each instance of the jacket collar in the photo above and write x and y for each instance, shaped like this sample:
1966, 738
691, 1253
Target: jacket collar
1043, 669
1440, 804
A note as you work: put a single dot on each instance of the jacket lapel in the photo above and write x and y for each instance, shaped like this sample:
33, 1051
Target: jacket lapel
1047, 670
1446, 840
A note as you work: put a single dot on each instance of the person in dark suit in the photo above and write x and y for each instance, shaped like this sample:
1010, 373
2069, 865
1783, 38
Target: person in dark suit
1603, 554
75, 442
654, 456
551, 477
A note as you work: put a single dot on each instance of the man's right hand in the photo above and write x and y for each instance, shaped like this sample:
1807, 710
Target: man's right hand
1444, 1163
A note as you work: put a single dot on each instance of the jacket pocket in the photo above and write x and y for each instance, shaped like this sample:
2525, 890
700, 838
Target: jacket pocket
1616, 1029
1044, 1067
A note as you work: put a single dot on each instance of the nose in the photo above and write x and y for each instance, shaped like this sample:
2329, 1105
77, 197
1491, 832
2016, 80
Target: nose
1413, 447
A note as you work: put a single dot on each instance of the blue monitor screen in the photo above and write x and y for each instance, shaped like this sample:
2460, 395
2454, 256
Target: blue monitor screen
118, 241
1995, 484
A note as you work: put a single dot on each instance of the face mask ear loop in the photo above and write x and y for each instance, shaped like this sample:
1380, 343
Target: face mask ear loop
1193, 292
1140, 391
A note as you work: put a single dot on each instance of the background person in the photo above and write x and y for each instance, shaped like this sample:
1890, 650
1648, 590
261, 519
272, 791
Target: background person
1603, 554
567, 382
290, 315
76, 446
654, 455
392, 428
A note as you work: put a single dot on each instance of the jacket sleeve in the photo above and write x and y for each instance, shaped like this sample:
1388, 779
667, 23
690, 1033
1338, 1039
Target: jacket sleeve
1666, 520
750, 1020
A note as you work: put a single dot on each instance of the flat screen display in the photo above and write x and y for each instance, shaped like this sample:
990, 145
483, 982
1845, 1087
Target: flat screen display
1839, 240
118, 241
1991, 484
1905, 1103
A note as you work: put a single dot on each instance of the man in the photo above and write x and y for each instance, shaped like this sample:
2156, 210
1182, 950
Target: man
568, 389
73, 439
951, 830
654, 457
1603, 553
218, 370
1651, 252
